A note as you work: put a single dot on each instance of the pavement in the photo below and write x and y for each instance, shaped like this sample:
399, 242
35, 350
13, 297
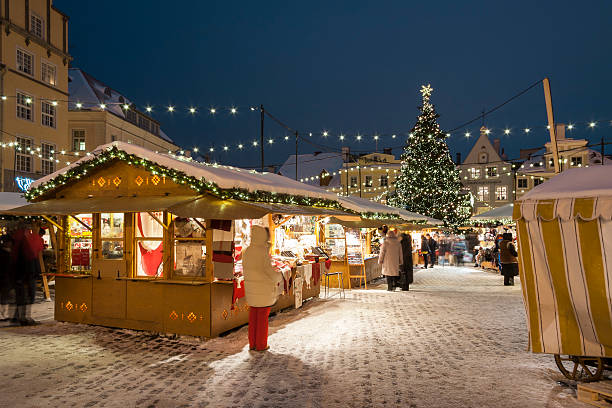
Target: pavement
458, 338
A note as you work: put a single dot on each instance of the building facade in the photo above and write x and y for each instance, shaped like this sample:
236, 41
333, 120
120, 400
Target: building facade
573, 153
370, 176
34, 90
98, 115
486, 175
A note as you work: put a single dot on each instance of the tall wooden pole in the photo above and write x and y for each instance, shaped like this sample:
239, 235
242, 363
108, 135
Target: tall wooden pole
551, 123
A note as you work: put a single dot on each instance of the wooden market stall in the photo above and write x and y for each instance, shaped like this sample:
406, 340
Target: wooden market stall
349, 241
152, 241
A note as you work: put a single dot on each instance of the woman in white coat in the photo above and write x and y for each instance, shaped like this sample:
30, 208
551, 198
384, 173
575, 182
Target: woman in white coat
261, 285
391, 258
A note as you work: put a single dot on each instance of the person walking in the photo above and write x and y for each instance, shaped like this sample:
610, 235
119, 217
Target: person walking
425, 250
391, 258
24, 255
407, 275
261, 286
6, 277
508, 259
433, 246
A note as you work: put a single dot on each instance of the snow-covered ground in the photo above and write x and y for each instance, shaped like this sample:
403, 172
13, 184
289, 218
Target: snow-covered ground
457, 339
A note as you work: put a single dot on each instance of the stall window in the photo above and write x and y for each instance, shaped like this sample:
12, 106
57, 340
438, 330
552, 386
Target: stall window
189, 247
149, 244
111, 235
80, 237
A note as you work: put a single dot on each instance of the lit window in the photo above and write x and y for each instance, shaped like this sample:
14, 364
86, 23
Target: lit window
48, 158
78, 140
492, 171
501, 193
24, 109
483, 193
23, 159
25, 62
189, 248
111, 235
48, 73
37, 26
474, 173
384, 180
80, 236
49, 112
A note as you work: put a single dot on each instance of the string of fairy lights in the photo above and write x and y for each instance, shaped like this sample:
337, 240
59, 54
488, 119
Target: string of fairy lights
340, 138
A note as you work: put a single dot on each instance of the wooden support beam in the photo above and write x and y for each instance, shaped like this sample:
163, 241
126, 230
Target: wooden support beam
158, 220
52, 222
81, 222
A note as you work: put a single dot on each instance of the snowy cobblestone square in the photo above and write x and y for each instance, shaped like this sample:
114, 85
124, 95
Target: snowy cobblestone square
456, 339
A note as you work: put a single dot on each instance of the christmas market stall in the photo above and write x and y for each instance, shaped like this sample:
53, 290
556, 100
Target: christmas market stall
489, 226
353, 244
564, 231
152, 241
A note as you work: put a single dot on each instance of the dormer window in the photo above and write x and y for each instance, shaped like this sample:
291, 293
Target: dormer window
107, 92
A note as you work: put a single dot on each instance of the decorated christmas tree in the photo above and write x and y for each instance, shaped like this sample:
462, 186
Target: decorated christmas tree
428, 183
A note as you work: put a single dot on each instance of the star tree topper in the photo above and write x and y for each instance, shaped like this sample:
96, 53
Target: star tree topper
426, 92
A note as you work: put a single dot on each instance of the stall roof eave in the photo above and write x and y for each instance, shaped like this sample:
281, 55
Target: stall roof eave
183, 206
499, 213
68, 206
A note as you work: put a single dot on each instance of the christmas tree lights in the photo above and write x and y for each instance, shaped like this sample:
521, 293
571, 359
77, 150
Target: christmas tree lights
428, 182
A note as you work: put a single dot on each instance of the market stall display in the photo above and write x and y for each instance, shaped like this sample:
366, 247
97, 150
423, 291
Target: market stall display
565, 260
153, 241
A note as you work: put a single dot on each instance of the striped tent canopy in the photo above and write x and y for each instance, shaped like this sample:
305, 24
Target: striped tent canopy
564, 229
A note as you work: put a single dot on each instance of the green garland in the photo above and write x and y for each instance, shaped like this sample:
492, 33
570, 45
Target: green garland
179, 177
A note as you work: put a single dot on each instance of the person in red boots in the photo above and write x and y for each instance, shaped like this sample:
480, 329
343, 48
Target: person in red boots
261, 285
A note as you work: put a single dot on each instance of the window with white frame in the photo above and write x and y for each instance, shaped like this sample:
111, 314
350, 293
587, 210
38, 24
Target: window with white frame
25, 62
49, 113
492, 171
501, 193
384, 180
24, 106
48, 73
37, 26
23, 158
48, 158
483, 193
474, 173
78, 140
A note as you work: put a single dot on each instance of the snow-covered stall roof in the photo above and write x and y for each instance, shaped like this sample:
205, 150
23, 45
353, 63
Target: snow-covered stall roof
225, 177
499, 213
593, 181
90, 92
362, 205
11, 200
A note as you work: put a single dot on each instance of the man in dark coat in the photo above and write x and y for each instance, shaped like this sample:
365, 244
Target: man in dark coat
508, 259
406, 278
425, 250
433, 246
24, 254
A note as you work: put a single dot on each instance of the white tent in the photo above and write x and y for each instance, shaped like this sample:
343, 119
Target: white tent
500, 213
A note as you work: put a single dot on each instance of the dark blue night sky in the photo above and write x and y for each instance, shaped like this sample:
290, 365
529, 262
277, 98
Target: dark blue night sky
349, 67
